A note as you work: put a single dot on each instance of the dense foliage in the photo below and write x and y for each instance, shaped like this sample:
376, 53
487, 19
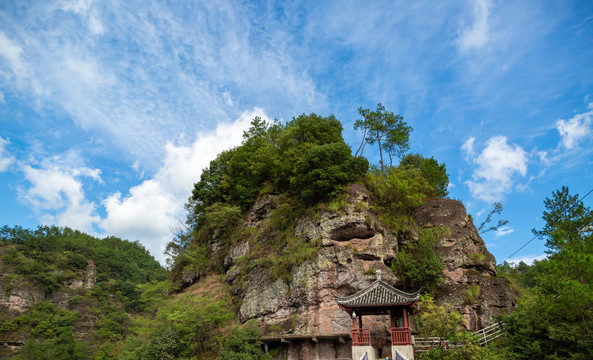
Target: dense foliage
243, 344
306, 160
416, 262
283, 157
50, 260
554, 318
444, 324
430, 169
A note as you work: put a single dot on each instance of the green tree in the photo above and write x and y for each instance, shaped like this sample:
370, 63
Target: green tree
399, 191
446, 324
554, 319
438, 321
207, 191
244, 344
567, 220
165, 345
309, 130
417, 263
431, 170
324, 168
388, 130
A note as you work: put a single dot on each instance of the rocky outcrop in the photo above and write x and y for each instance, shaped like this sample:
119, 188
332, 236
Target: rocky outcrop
87, 281
470, 283
353, 242
354, 246
19, 297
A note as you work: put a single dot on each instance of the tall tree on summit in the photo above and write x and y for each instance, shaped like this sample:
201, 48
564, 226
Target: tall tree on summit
388, 130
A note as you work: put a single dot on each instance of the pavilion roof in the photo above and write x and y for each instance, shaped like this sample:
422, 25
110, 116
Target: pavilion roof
378, 294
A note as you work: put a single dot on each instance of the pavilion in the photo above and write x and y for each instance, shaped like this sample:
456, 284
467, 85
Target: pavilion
380, 299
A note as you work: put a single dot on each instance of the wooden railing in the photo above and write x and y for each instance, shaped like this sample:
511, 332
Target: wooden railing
401, 336
480, 337
361, 337
489, 333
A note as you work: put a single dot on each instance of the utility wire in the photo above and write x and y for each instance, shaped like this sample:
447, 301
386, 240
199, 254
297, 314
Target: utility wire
535, 237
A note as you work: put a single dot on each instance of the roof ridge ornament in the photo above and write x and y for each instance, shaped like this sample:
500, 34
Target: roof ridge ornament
378, 272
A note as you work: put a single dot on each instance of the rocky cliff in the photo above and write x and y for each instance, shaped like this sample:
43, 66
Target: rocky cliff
354, 246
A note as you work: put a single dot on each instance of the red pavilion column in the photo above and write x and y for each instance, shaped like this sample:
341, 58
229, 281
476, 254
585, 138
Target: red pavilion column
405, 313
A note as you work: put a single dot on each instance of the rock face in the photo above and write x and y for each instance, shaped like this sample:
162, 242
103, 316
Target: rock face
20, 297
468, 266
354, 246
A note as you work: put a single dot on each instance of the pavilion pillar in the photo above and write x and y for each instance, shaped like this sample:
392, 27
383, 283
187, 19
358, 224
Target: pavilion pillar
405, 350
405, 314
392, 317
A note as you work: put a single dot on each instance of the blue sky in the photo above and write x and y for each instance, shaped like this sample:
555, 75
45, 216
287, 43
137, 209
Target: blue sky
109, 110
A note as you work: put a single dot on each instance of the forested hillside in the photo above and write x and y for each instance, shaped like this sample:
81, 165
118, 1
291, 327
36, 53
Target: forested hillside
274, 213
68, 294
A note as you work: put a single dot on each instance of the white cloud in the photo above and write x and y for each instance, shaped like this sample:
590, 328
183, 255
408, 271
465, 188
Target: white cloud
150, 210
468, 147
504, 231
149, 78
527, 259
497, 166
153, 208
575, 130
57, 193
84, 8
12, 53
86, 71
478, 34
5, 160
77, 6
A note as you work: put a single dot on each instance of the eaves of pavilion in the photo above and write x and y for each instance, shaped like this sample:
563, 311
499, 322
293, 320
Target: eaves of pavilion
380, 298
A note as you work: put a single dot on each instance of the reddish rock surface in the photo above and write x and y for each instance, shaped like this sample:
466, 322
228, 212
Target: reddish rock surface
354, 241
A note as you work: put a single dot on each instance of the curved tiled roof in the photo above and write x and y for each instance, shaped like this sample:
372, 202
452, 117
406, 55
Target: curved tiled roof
378, 294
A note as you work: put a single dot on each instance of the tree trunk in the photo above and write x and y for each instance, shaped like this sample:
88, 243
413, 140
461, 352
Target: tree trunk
364, 140
380, 151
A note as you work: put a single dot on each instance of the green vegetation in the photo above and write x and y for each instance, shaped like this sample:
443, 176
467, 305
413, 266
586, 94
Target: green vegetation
51, 258
430, 169
472, 294
370, 272
554, 316
243, 344
398, 191
417, 263
445, 324
478, 258
438, 321
306, 160
387, 130
132, 311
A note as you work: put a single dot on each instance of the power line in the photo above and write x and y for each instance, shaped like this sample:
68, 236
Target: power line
535, 237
